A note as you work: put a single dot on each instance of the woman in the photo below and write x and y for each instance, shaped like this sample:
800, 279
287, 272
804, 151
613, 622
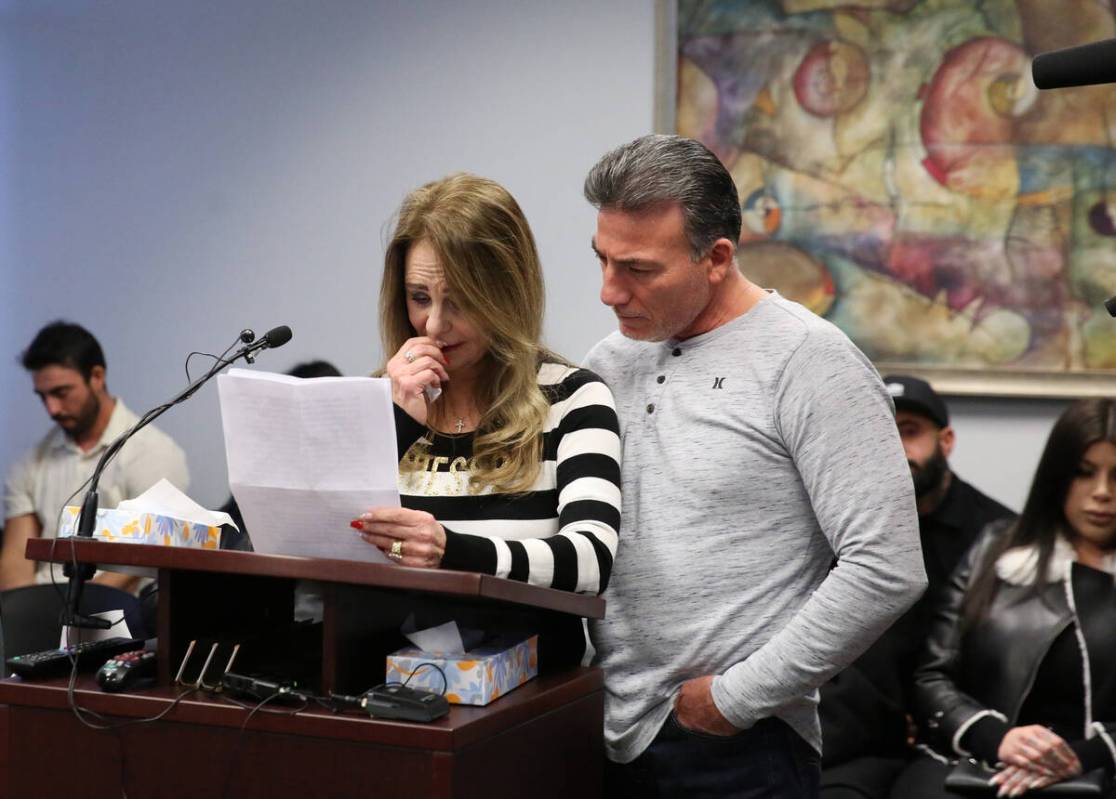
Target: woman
1020, 665
509, 456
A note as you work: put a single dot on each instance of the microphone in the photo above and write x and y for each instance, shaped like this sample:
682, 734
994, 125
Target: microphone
1084, 65
276, 337
80, 572
1110, 306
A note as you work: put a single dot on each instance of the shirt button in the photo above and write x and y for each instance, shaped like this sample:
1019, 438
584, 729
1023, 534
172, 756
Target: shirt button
651, 408
677, 352
660, 379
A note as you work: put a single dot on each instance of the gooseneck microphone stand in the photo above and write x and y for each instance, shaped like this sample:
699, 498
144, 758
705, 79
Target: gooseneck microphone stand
78, 573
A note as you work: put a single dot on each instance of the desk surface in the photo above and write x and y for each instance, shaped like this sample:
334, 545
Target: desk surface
434, 581
465, 725
542, 740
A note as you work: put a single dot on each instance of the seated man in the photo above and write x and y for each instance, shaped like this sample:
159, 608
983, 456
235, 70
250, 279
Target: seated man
67, 370
864, 709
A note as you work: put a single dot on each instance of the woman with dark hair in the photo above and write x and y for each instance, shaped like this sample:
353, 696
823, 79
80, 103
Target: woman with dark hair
1019, 670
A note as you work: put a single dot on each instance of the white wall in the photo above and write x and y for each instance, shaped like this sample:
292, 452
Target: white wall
176, 171
171, 172
999, 443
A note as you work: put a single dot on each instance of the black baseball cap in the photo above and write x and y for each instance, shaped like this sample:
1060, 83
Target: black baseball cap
913, 394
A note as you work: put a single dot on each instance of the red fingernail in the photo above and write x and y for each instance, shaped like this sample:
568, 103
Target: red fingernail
356, 524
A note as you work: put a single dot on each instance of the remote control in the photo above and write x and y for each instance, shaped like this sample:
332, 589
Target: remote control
56, 662
134, 669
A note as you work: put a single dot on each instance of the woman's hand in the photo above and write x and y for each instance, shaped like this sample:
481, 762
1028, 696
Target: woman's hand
418, 364
1039, 750
1016, 781
409, 537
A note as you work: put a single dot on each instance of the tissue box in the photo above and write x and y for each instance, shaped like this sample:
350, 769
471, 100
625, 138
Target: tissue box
131, 527
477, 677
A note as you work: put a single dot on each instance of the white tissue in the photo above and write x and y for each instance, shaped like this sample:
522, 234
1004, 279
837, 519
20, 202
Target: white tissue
444, 639
164, 499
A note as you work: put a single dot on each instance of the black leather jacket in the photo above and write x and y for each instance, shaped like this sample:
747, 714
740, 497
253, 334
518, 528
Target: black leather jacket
992, 665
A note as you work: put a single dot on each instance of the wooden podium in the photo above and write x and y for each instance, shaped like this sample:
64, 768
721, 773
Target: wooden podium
543, 739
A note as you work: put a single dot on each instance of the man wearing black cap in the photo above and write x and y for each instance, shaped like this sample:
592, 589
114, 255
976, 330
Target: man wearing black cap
863, 709
951, 512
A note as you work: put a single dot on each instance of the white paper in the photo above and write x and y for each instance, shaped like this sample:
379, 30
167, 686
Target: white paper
306, 457
72, 636
166, 500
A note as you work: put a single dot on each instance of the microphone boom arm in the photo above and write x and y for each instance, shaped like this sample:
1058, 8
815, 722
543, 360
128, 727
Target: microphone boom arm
79, 573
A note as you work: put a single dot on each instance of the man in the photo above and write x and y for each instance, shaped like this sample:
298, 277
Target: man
759, 443
951, 512
864, 709
67, 370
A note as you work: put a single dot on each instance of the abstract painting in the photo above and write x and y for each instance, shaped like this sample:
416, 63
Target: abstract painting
901, 175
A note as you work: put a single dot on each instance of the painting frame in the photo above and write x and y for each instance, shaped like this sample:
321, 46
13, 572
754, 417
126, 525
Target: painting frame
991, 381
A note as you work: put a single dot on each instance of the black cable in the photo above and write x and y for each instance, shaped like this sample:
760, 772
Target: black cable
416, 669
65, 597
154, 413
278, 711
77, 578
102, 723
236, 341
117, 443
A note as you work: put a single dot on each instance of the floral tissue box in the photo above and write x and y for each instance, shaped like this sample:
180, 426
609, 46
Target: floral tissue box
132, 527
476, 677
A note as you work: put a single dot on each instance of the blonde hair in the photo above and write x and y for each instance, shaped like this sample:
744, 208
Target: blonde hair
487, 253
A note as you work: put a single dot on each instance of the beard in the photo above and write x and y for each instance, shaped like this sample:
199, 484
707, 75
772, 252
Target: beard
928, 476
77, 426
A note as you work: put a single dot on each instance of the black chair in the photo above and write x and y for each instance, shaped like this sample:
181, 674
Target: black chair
30, 617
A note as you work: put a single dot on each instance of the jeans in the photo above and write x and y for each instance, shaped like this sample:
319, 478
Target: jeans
767, 760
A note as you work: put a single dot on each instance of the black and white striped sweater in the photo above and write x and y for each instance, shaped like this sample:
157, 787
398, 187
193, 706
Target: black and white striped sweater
560, 534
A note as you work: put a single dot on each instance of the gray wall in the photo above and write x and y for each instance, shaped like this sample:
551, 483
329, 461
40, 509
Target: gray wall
171, 172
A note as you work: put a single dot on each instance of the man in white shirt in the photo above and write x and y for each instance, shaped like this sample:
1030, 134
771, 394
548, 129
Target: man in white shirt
67, 369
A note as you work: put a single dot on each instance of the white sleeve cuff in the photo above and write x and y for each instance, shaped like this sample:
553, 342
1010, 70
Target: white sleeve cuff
722, 701
1099, 729
969, 722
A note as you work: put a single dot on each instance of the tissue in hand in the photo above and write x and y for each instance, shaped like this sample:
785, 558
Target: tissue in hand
162, 515
476, 677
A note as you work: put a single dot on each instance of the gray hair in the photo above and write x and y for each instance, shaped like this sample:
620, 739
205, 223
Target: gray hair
657, 170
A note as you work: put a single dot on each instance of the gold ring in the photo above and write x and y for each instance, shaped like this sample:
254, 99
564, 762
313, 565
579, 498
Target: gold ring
396, 550
410, 356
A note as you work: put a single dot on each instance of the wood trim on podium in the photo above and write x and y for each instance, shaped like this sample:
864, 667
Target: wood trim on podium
463, 727
544, 739
436, 581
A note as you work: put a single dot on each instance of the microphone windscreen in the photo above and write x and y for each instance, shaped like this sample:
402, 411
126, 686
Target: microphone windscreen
278, 336
1085, 65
